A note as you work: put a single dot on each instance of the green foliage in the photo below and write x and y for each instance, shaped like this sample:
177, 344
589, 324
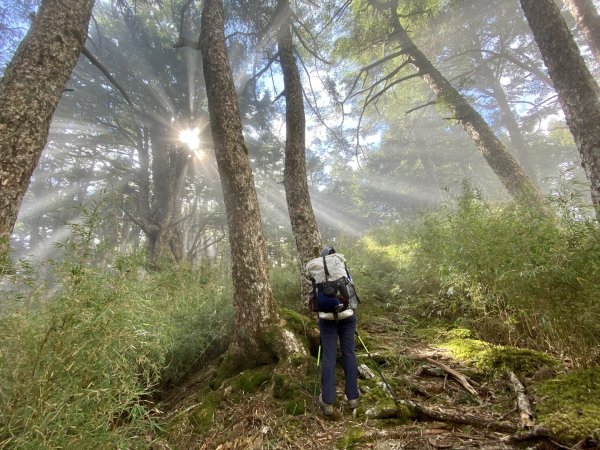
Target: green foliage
570, 405
77, 367
516, 273
285, 282
514, 276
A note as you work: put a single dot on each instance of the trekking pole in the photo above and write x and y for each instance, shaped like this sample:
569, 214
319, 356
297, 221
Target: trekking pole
317, 378
378, 370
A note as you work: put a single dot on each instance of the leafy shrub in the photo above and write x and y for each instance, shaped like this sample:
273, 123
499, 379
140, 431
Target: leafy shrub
78, 367
514, 275
285, 282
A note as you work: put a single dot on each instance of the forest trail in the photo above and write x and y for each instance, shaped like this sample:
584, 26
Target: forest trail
256, 419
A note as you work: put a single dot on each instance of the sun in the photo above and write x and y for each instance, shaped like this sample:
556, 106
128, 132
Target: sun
191, 138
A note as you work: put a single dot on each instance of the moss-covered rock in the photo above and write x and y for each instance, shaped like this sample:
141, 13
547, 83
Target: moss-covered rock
569, 406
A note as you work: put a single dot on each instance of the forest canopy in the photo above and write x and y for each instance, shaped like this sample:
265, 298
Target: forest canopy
169, 167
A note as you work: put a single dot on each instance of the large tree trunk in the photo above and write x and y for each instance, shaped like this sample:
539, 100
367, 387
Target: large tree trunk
304, 224
32, 85
509, 172
576, 88
588, 21
255, 317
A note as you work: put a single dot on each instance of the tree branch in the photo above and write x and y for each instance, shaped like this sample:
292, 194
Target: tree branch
106, 73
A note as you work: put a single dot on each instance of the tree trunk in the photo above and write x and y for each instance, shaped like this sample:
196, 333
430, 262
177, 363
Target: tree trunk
510, 173
304, 224
157, 217
508, 117
30, 90
577, 90
255, 317
588, 21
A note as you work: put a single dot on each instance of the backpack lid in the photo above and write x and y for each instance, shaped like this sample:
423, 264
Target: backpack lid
336, 266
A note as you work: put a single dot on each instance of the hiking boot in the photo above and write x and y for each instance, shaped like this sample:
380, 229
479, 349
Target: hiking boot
353, 404
325, 407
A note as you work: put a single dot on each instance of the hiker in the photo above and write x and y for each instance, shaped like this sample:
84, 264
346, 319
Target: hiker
335, 301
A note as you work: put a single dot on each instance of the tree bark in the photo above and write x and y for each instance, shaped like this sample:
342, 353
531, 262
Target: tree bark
255, 317
30, 90
510, 173
577, 90
304, 225
588, 21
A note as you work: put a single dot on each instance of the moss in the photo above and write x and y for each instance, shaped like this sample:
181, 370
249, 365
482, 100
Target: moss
351, 439
491, 358
296, 321
430, 333
251, 381
569, 406
458, 333
294, 407
294, 402
201, 417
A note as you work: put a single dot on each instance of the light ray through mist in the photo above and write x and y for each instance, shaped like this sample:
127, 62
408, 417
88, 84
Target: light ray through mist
331, 214
190, 57
32, 207
273, 205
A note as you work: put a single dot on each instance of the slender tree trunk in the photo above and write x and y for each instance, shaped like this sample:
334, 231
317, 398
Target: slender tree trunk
255, 317
508, 117
32, 85
588, 21
510, 173
576, 88
304, 224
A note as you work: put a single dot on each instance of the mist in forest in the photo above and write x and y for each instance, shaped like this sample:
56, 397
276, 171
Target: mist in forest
132, 142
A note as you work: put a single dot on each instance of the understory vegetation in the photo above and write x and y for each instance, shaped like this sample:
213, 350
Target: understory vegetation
82, 365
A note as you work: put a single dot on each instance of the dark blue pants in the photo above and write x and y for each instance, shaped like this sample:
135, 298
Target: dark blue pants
330, 330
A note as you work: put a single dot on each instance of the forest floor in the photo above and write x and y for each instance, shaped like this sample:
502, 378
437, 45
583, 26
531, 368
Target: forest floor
273, 409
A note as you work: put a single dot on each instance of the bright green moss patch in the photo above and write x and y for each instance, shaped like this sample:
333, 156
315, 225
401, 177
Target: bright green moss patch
466, 349
522, 361
569, 406
487, 357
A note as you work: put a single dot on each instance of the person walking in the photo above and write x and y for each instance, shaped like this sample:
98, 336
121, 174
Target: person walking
333, 325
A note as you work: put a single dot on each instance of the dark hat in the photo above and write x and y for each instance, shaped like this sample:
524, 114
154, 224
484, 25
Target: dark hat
327, 251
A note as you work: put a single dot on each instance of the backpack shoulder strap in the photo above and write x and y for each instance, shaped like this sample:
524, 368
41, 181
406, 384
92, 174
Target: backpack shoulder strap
347, 273
326, 270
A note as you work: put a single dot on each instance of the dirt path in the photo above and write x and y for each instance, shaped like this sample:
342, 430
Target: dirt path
256, 420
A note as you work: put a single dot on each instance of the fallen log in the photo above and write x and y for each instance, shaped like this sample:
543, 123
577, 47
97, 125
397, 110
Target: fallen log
422, 412
523, 405
464, 382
